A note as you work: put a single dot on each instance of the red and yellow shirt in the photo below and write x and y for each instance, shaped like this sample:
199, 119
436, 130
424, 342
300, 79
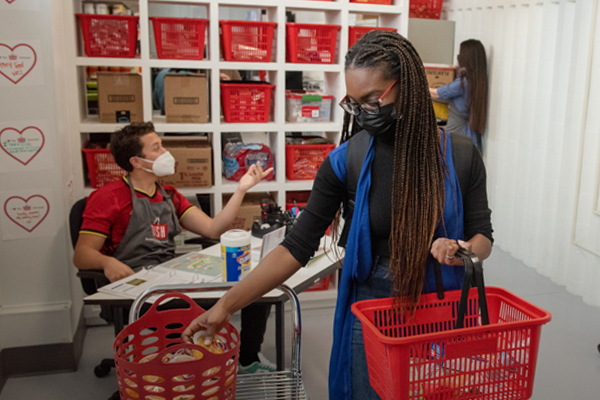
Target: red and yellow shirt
108, 210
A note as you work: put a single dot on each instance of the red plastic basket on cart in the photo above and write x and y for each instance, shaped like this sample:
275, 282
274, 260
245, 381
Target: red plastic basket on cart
144, 348
427, 356
109, 35
386, 2
429, 9
179, 38
247, 40
246, 102
311, 43
102, 167
302, 161
356, 32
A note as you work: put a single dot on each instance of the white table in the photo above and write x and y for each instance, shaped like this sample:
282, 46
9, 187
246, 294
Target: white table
317, 269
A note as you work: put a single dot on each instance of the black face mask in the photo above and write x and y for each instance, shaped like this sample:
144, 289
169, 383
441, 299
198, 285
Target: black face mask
377, 124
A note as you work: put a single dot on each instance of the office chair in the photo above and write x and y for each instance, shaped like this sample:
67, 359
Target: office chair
91, 280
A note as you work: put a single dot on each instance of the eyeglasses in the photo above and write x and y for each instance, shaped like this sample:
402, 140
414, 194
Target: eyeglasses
369, 108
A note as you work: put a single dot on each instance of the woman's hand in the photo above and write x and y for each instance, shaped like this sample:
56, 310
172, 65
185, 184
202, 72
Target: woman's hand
254, 175
211, 321
444, 250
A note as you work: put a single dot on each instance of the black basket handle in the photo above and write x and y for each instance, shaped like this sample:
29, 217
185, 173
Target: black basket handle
473, 278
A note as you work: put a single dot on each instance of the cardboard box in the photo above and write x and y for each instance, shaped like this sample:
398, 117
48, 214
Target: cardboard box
439, 76
186, 98
120, 97
249, 211
193, 163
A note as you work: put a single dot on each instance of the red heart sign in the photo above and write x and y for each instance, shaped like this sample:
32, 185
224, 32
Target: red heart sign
22, 145
10, 1
27, 213
16, 62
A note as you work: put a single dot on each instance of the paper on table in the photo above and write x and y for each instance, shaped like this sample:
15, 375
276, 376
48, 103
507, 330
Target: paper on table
134, 285
271, 240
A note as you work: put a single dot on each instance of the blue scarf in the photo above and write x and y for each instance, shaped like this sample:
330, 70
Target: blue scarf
358, 260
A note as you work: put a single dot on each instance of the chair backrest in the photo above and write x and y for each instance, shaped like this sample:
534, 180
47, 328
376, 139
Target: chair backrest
89, 285
76, 219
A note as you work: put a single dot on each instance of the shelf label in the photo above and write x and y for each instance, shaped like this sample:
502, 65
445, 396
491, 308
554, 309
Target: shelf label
310, 111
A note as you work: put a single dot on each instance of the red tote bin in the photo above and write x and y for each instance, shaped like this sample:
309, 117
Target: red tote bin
356, 32
248, 41
246, 102
102, 167
384, 2
428, 9
109, 35
424, 357
179, 38
311, 43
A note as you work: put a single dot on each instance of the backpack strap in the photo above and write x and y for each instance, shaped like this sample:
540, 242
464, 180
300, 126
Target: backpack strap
355, 157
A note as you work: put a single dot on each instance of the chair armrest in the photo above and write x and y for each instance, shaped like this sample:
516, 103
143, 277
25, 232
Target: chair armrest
91, 279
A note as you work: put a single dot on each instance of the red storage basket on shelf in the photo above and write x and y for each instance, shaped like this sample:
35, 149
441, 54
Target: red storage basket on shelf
246, 102
426, 358
109, 35
302, 161
102, 167
179, 38
385, 2
311, 43
356, 32
429, 9
299, 199
143, 351
248, 41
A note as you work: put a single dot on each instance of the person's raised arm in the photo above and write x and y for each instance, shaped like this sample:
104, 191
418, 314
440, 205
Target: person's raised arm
198, 222
434, 93
272, 271
87, 255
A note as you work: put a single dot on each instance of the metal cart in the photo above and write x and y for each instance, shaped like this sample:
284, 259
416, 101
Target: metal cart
286, 384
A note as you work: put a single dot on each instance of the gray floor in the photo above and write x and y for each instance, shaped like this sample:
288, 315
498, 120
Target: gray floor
568, 363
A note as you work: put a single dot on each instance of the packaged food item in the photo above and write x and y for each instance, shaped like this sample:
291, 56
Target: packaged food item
238, 157
218, 345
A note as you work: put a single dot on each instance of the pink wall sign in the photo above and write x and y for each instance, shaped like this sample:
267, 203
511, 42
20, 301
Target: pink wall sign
27, 213
16, 62
22, 145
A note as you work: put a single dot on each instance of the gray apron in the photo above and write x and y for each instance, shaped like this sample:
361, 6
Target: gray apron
149, 238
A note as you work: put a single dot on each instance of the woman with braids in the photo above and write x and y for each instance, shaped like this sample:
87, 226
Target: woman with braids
468, 93
409, 206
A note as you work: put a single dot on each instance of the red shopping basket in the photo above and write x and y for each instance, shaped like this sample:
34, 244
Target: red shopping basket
179, 38
311, 43
302, 161
427, 357
102, 167
144, 349
247, 40
246, 102
109, 35
429, 9
356, 32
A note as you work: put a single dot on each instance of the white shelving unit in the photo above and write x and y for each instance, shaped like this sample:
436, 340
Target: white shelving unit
338, 12
335, 12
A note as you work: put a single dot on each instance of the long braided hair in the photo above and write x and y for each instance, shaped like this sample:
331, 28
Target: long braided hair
473, 64
418, 175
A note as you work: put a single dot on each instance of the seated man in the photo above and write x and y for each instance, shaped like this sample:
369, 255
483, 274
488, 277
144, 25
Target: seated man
124, 223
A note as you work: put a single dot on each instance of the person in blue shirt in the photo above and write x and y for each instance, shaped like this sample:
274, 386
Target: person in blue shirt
468, 93
411, 206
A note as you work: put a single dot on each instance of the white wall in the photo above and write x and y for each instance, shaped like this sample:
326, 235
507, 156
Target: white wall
40, 298
541, 147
